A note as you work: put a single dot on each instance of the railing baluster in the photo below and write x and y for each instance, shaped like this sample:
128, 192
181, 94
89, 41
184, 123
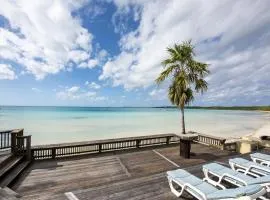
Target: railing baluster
116, 144
52, 151
211, 140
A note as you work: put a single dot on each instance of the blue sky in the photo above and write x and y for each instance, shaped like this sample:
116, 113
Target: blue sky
108, 52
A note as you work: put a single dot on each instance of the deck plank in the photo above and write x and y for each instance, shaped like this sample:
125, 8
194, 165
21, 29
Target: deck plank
131, 175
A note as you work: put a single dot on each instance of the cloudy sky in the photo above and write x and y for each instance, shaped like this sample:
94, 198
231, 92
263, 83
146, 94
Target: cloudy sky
108, 52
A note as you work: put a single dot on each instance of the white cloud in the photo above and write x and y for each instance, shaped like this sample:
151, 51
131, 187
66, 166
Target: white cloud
36, 90
236, 45
92, 85
76, 93
78, 56
102, 54
69, 93
92, 63
158, 94
6, 72
94, 10
99, 59
73, 89
44, 36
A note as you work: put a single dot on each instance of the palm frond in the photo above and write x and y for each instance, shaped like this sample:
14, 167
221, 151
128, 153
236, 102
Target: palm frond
167, 62
190, 97
201, 85
186, 73
165, 74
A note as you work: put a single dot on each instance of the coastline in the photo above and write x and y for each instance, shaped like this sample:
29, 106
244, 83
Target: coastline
263, 131
265, 111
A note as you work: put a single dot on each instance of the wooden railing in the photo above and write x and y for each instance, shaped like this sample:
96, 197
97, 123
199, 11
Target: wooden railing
210, 140
19, 144
5, 139
23, 146
14, 134
71, 149
230, 146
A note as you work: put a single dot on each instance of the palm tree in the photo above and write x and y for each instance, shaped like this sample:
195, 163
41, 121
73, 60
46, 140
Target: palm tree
186, 76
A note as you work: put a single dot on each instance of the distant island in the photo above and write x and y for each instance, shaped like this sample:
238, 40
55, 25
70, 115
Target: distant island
251, 108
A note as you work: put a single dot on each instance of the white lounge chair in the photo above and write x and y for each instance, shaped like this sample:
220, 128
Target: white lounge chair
261, 158
204, 191
248, 167
223, 173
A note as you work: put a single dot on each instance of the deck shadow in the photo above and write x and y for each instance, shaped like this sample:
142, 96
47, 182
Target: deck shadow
204, 156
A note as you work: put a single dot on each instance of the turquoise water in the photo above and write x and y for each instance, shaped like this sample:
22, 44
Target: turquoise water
68, 124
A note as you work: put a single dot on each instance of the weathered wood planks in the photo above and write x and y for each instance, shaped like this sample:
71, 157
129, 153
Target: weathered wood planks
48, 179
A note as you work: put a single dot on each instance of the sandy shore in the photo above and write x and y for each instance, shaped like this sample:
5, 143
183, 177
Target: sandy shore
265, 111
264, 131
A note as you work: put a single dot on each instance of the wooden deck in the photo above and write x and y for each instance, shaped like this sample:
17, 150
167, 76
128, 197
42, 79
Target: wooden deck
121, 175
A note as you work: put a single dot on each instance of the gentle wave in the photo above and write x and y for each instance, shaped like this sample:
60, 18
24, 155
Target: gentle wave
67, 124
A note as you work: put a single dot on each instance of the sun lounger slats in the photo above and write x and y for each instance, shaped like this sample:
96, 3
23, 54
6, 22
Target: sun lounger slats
222, 173
261, 158
204, 191
248, 167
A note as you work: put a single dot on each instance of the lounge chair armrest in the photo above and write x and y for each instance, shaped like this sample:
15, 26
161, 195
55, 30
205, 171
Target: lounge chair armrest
265, 163
187, 185
232, 177
256, 167
260, 161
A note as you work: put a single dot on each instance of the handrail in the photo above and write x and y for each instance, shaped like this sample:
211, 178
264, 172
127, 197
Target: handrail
23, 146
210, 140
98, 146
90, 147
14, 133
20, 145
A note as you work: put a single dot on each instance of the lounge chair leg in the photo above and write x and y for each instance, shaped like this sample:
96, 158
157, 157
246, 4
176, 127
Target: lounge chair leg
263, 198
212, 182
265, 163
262, 162
232, 166
267, 186
178, 194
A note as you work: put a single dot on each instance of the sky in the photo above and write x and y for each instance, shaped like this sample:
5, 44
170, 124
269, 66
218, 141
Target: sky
108, 52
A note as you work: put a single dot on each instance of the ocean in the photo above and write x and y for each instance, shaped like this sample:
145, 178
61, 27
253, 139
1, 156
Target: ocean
50, 125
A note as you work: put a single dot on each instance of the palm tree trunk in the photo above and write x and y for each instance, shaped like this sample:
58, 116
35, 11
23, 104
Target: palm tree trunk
183, 121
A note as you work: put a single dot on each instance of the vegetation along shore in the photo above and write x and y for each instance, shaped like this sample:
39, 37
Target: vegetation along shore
250, 108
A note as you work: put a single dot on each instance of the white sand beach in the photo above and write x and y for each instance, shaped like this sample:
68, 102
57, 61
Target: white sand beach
259, 134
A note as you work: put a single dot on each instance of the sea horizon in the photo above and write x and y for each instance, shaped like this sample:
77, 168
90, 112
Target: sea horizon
161, 106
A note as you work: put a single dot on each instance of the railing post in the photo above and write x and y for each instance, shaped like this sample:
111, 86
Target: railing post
32, 154
19, 145
222, 144
13, 142
28, 147
20, 132
138, 143
168, 138
99, 148
53, 153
